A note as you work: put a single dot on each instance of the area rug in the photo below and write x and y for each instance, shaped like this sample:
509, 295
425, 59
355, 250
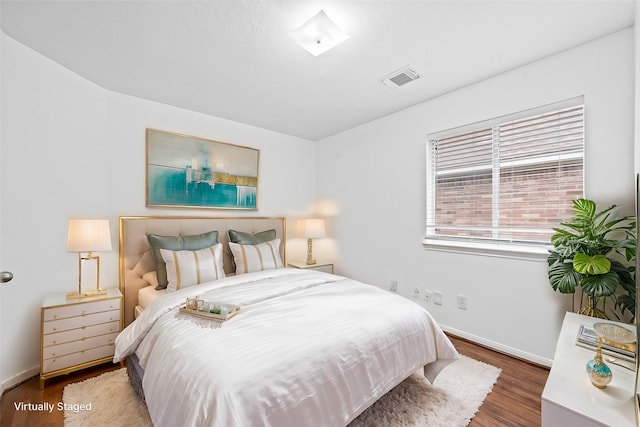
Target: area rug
452, 400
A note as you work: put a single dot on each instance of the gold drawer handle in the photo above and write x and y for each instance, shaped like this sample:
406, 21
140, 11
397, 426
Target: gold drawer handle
54, 329
53, 354
83, 327
84, 338
54, 341
55, 316
84, 312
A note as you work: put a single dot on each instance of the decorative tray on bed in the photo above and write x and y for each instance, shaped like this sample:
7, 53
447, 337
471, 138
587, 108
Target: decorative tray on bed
217, 313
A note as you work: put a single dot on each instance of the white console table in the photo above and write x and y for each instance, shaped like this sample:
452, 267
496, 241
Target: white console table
570, 400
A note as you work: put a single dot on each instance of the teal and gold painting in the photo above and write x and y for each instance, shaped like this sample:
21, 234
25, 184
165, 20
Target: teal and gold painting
188, 171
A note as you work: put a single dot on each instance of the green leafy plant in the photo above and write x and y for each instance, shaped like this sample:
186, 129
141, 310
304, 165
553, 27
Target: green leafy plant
595, 252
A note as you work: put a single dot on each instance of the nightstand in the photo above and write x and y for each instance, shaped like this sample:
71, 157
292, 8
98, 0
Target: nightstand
78, 333
327, 267
569, 399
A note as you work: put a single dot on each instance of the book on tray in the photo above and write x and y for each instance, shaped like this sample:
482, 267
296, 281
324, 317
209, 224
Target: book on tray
588, 338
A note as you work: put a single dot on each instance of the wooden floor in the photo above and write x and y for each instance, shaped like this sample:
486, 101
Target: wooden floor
514, 401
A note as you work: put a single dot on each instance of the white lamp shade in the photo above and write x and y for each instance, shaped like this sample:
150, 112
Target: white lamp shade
311, 228
319, 34
88, 235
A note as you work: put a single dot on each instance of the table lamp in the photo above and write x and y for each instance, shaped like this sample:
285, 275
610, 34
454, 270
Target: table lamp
87, 236
311, 229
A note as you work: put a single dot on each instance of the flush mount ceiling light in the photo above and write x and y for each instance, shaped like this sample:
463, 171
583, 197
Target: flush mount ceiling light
319, 34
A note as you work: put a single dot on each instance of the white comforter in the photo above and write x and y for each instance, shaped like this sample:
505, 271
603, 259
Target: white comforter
306, 349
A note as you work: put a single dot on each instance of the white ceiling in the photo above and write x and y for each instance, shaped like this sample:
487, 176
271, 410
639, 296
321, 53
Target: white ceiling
235, 59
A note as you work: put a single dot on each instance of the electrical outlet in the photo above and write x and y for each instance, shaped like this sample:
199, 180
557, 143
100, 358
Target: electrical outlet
427, 295
462, 302
437, 298
416, 293
394, 286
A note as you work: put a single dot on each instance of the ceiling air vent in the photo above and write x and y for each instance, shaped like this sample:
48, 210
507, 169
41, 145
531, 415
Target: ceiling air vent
401, 77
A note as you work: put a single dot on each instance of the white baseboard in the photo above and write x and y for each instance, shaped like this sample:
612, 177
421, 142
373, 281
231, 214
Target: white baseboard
19, 378
499, 347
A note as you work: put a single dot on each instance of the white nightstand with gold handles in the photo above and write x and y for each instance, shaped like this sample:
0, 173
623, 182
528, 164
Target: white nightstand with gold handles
78, 333
327, 267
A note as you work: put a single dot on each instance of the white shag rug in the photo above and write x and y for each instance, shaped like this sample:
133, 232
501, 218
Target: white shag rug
451, 401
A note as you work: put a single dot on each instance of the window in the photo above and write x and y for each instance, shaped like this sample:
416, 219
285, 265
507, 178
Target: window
507, 180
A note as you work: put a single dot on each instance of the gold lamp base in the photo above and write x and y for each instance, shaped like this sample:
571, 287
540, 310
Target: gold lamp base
310, 260
96, 293
74, 295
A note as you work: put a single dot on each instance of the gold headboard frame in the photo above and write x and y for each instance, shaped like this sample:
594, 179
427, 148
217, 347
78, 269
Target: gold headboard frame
135, 255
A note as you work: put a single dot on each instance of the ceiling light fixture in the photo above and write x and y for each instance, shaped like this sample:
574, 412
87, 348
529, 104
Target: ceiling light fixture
319, 34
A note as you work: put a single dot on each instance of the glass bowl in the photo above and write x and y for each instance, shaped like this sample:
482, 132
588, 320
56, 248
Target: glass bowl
614, 333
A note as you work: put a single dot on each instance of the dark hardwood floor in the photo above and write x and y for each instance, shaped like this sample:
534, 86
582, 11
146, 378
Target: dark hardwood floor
514, 401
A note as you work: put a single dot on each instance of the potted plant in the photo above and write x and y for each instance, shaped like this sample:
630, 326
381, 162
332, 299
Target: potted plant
594, 252
627, 300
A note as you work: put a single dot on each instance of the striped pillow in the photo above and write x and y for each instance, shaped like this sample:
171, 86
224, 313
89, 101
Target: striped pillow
260, 257
189, 268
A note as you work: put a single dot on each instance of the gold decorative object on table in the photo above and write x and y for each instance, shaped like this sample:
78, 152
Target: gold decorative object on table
311, 229
599, 373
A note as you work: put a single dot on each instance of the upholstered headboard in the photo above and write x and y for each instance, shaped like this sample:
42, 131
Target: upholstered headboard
135, 257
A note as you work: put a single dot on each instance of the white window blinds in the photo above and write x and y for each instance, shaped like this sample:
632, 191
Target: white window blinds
506, 180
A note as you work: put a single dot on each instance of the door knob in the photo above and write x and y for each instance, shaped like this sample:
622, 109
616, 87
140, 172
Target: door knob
5, 276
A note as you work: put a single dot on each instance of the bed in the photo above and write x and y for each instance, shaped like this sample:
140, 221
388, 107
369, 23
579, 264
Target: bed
136, 260
307, 348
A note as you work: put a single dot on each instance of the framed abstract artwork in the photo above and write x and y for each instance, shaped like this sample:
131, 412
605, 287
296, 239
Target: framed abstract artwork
193, 172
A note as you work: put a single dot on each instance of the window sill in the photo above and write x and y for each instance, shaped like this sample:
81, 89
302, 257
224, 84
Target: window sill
523, 252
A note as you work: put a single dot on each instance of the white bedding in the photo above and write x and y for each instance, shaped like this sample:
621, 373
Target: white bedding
306, 349
148, 294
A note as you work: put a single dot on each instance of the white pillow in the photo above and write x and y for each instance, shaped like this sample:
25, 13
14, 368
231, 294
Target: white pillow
260, 257
189, 268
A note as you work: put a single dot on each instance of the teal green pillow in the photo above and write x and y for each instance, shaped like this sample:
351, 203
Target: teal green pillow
177, 243
251, 238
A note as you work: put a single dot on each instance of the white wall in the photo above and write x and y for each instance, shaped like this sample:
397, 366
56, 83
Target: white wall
375, 182
73, 149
